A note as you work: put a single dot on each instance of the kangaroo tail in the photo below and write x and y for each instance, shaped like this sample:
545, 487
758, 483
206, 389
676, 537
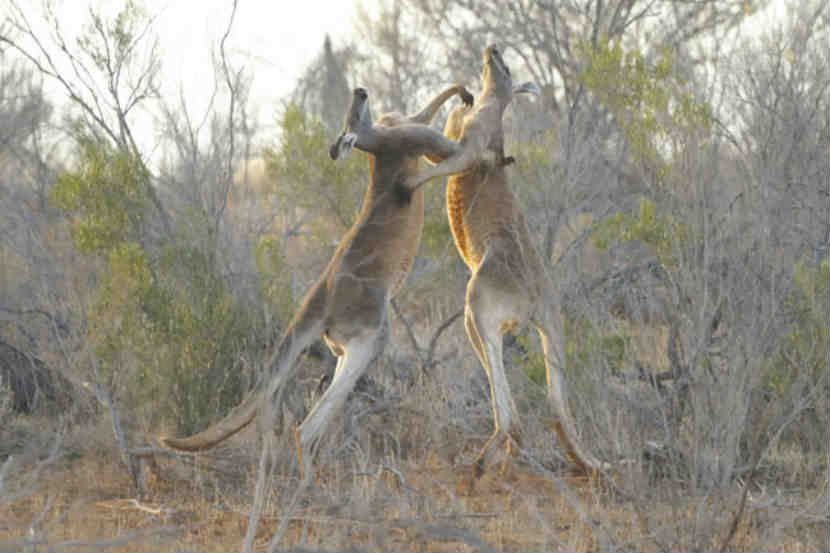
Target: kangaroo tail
235, 421
303, 329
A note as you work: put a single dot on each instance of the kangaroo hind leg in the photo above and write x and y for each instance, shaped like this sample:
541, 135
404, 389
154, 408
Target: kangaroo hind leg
563, 426
484, 328
357, 354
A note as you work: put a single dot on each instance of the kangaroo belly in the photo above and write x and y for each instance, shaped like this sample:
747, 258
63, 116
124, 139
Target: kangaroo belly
402, 264
406, 240
384, 245
457, 206
480, 210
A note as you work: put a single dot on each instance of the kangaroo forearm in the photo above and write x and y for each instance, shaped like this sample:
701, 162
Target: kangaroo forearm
425, 115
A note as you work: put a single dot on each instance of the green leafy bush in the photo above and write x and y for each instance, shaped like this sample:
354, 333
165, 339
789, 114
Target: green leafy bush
649, 99
661, 233
107, 192
309, 181
274, 275
164, 327
805, 352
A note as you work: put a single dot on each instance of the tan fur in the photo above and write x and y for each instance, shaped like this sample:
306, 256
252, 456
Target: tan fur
348, 303
509, 285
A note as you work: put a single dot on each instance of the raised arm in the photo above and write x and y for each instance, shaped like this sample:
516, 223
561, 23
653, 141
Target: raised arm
473, 128
425, 115
471, 150
408, 138
357, 129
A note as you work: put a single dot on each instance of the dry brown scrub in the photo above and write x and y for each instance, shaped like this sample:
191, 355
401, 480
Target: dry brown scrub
394, 475
370, 497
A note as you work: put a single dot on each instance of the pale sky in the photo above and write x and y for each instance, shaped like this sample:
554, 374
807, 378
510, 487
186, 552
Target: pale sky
275, 39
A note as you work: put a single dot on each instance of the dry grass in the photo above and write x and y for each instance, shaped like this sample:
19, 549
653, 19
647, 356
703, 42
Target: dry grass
366, 499
398, 479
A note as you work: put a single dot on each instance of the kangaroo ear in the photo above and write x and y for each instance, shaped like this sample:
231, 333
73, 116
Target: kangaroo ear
528, 88
343, 146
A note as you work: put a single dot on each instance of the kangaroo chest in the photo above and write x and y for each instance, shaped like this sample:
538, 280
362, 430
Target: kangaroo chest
383, 245
481, 209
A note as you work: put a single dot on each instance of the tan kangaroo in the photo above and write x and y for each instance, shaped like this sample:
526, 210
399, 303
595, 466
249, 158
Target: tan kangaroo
348, 303
509, 285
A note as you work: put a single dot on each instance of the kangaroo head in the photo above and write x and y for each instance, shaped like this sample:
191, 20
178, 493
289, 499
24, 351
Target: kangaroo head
496, 77
357, 117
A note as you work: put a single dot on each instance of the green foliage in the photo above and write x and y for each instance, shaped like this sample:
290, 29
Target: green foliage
6, 400
113, 47
163, 323
591, 346
660, 233
107, 190
202, 331
437, 234
537, 163
174, 336
537, 155
588, 347
805, 352
275, 276
649, 100
533, 363
116, 317
308, 178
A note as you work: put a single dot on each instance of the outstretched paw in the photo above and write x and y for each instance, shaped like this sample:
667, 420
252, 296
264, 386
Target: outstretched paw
343, 146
